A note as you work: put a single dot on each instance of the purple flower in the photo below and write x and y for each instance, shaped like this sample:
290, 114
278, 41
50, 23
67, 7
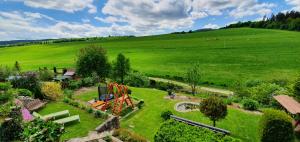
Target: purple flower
26, 115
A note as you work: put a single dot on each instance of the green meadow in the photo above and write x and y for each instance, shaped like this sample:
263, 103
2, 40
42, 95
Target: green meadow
224, 55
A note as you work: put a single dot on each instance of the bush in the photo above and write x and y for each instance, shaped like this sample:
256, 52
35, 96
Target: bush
276, 126
90, 110
39, 130
136, 79
24, 92
97, 114
68, 93
29, 81
128, 136
87, 82
66, 100
5, 86
126, 111
166, 115
73, 84
5, 72
263, 92
6, 96
174, 131
107, 139
45, 75
140, 104
250, 104
52, 90
11, 130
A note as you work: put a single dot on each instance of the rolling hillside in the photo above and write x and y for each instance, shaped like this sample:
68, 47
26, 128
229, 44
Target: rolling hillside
224, 55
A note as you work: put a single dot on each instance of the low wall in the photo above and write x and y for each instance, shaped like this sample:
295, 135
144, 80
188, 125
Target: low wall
109, 124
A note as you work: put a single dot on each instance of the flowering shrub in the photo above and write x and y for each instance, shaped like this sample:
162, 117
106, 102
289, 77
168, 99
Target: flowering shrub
52, 90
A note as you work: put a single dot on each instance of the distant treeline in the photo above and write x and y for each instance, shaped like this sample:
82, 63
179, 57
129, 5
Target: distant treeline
49, 41
285, 21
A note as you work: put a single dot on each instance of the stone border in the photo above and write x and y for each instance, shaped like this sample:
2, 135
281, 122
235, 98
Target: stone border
180, 103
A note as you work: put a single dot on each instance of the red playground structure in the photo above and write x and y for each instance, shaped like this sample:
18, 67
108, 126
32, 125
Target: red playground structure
114, 94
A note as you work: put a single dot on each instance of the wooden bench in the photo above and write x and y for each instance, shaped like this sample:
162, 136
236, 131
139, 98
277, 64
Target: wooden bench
52, 115
68, 119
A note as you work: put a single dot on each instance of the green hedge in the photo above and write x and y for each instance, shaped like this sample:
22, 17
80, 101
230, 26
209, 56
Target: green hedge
173, 131
276, 126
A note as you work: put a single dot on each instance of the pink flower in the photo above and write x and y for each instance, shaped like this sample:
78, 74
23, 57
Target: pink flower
26, 115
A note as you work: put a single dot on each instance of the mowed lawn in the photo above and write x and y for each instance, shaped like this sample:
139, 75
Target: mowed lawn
146, 121
224, 55
77, 129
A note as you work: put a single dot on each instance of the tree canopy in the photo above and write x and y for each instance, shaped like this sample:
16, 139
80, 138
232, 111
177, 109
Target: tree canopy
93, 59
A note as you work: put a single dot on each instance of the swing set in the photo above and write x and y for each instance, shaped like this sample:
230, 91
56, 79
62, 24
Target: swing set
114, 95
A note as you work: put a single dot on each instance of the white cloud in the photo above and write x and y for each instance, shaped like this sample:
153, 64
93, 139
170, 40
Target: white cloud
211, 26
64, 5
17, 25
295, 3
177, 14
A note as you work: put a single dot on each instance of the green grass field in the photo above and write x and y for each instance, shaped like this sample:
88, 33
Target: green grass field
147, 120
87, 121
224, 55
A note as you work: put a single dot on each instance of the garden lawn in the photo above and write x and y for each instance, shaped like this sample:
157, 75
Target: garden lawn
147, 120
87, 96
225, 55
79, 129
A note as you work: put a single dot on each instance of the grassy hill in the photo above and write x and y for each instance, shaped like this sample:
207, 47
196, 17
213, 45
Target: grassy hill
224, 55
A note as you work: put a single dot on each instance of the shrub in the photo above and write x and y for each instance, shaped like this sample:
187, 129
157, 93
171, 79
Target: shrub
39, 130
68, 93
45, 75
174, 131
97, 114
126, 111
214, 108
128, 136
297, 88
166, 115
90, 110
73, 84
136, 79
250, 104
140, 104
6, 96
87, 82
66, 100
107, 139
24, 92
93, 59
276, 126
253, 83
11, 130
29, 81
4, 86
5, 72
263, 92
280, 82
52, 90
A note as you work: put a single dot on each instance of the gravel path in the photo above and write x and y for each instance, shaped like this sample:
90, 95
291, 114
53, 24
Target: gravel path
186, 86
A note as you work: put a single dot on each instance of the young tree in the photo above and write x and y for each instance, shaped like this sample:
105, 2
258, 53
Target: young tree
214, 108
193, 77
121, 67
17, 67
92, 59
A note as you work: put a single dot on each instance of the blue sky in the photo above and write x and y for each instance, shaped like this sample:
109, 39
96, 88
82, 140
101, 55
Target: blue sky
43, 19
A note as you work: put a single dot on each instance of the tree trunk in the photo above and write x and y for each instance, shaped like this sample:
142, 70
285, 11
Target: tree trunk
214, 123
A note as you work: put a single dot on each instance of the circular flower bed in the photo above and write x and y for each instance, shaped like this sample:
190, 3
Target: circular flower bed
187, 106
